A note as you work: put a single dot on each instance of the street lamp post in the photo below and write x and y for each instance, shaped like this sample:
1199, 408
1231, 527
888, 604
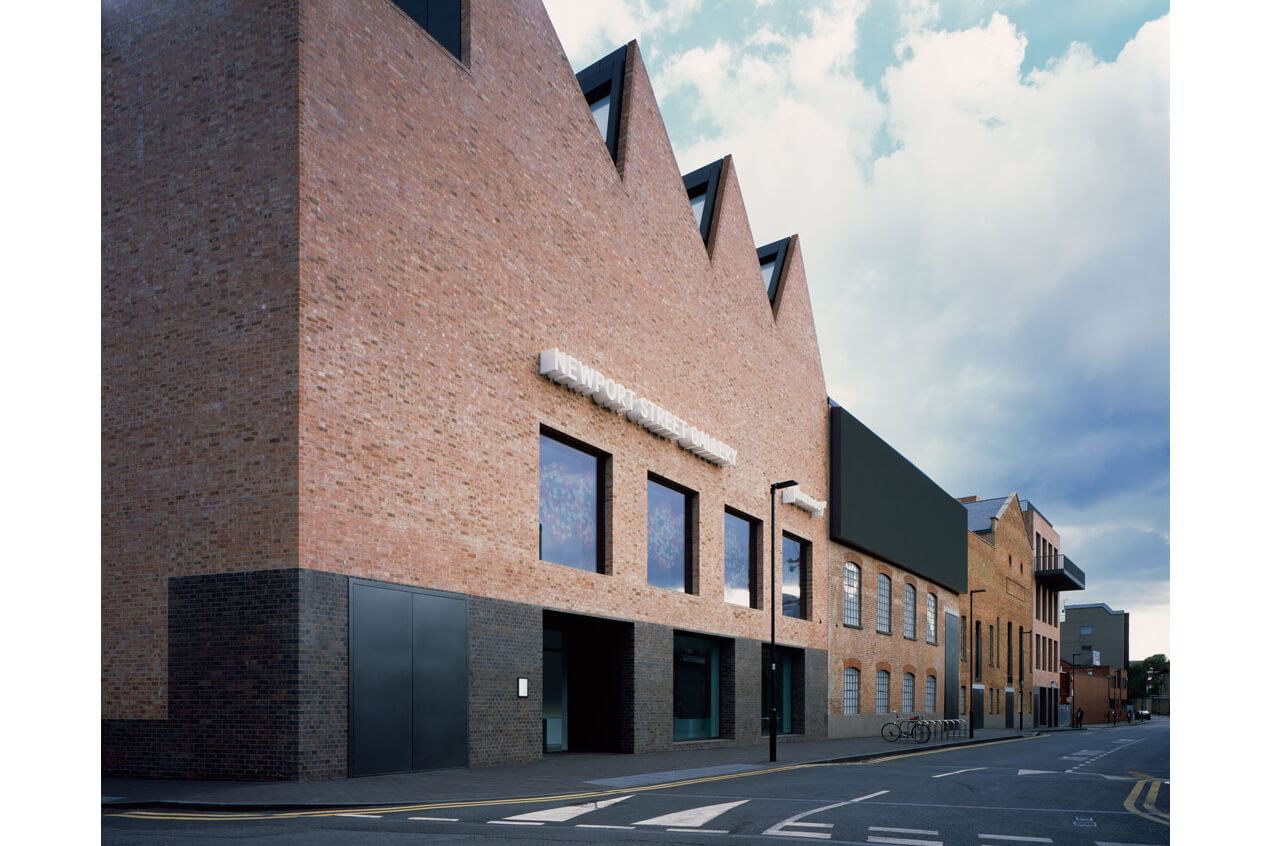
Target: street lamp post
973, 659
771, 687
1022, 664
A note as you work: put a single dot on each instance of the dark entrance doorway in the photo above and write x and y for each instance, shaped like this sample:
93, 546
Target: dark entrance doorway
978, 694
586, 675
1009, 709
788, 673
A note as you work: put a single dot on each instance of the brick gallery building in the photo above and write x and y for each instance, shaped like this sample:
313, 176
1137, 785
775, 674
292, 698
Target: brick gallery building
441, 415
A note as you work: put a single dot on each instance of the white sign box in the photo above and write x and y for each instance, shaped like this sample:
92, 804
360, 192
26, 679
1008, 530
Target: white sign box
565, 370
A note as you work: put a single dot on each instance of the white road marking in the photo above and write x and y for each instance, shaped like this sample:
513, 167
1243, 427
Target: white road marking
701, 830
896, 841
363, 816
1036, 772
435, 819
512, 822
869, 796
617, 827
1012, 838
693, 817
780, 828
958, 772
902, 830
565, 813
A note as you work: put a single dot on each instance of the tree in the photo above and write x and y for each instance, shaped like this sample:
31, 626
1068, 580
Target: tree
1138, 674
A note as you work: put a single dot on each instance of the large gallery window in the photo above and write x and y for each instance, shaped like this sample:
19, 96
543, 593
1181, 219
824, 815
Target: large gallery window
570, 503
695, 687
441, 18
930, 684
909, 683
796, 572
931, 618
883, 692
740, 559
670, 536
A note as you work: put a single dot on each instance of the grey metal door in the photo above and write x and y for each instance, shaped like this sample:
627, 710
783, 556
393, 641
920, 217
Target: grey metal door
407, 653
951, 666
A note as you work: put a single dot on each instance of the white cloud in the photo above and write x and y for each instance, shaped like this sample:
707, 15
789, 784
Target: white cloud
987, 251
589, 30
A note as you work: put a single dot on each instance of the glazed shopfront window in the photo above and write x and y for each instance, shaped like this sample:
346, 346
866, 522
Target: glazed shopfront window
570, 504
695, 687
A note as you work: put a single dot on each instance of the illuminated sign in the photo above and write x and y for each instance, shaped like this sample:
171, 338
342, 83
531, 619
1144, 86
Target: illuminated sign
567, 371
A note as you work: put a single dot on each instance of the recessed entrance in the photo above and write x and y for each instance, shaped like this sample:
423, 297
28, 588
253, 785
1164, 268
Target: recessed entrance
586, 664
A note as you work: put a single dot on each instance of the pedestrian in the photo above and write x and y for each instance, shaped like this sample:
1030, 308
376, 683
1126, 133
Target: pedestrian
1079, 718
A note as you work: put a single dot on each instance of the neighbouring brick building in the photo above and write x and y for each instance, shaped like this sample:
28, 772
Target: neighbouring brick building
1101, 691
440, 412
897, 572
1000, 566
1054, 573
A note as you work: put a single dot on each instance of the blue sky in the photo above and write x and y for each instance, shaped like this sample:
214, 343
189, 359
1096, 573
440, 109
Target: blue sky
983, 195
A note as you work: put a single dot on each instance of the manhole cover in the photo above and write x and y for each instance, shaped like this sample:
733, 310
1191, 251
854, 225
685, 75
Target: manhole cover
1084, 822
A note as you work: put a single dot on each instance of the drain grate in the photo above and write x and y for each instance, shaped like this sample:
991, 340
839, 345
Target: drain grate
1084, 822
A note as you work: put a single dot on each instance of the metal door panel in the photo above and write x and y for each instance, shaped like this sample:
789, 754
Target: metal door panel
951, 666
440, 681
379, 651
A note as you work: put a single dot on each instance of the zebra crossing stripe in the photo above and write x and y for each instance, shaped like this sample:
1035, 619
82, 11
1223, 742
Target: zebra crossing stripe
693, 817
564, 813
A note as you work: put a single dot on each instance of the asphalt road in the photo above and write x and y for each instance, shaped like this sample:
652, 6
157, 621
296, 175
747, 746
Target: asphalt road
1079, 788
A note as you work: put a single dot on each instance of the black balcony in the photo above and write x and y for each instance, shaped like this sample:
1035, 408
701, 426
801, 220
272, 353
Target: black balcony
1058, 572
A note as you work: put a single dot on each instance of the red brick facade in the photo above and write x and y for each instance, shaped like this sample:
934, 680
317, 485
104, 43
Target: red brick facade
868, 650
332, 254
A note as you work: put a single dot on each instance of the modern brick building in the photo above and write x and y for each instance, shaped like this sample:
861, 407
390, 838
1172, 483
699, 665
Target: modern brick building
1095, 636
441, 413
1000, 574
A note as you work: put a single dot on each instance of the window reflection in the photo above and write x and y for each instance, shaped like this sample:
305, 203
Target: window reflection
568, 505
667, 537
794, 552
738, 559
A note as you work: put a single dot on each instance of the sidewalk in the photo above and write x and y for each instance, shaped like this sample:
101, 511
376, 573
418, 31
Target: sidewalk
562, 774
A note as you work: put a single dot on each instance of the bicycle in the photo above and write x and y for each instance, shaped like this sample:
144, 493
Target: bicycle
912, 730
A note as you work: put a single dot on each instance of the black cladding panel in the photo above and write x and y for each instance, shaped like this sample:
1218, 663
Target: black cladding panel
881, 503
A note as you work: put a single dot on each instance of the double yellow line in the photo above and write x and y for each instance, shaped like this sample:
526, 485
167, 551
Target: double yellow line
1150, 787
227, 816
434, 806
